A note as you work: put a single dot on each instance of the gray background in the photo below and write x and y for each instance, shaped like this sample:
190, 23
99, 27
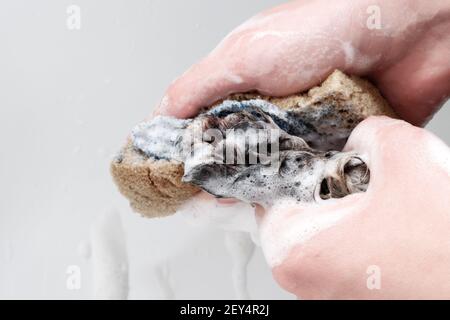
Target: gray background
67, 101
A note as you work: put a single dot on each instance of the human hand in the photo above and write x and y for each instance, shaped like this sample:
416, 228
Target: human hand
295, 46
398, 229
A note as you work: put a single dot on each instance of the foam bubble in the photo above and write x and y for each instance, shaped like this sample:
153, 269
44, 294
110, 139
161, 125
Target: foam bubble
281, 228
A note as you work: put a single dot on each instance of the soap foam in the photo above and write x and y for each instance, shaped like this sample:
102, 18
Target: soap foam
240, 247
204, 210
238, 221
109, 257
160, 137
281, 229
245, 130
439, 153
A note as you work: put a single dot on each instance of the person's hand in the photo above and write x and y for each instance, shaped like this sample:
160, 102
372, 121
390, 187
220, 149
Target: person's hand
403, 46
398, 229
390, 242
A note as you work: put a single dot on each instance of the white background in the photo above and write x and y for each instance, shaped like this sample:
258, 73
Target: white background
67, 101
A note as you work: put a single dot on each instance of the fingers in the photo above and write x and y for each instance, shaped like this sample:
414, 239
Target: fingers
200, 86
288, 224
418, 85
410, 181
245, 62
276, 55
372, 136
271, 53
393, 149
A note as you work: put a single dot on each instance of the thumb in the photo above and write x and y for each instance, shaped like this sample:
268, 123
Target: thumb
288, 224
201, 85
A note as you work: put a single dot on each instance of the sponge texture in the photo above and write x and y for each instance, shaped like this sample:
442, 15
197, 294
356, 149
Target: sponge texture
154, 187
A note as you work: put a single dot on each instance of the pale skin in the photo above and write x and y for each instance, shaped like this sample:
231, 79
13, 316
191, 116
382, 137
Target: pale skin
402, 223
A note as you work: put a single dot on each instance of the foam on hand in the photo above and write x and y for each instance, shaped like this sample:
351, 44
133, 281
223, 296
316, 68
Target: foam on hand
288, 224
306, 172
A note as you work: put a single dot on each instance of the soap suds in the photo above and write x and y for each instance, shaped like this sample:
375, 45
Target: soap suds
240, 247
164, 280
203, 210
297, 228
306, 172
160, 138
241, 234
349, 53
84, 249
440, 153
255, 152
109, 258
